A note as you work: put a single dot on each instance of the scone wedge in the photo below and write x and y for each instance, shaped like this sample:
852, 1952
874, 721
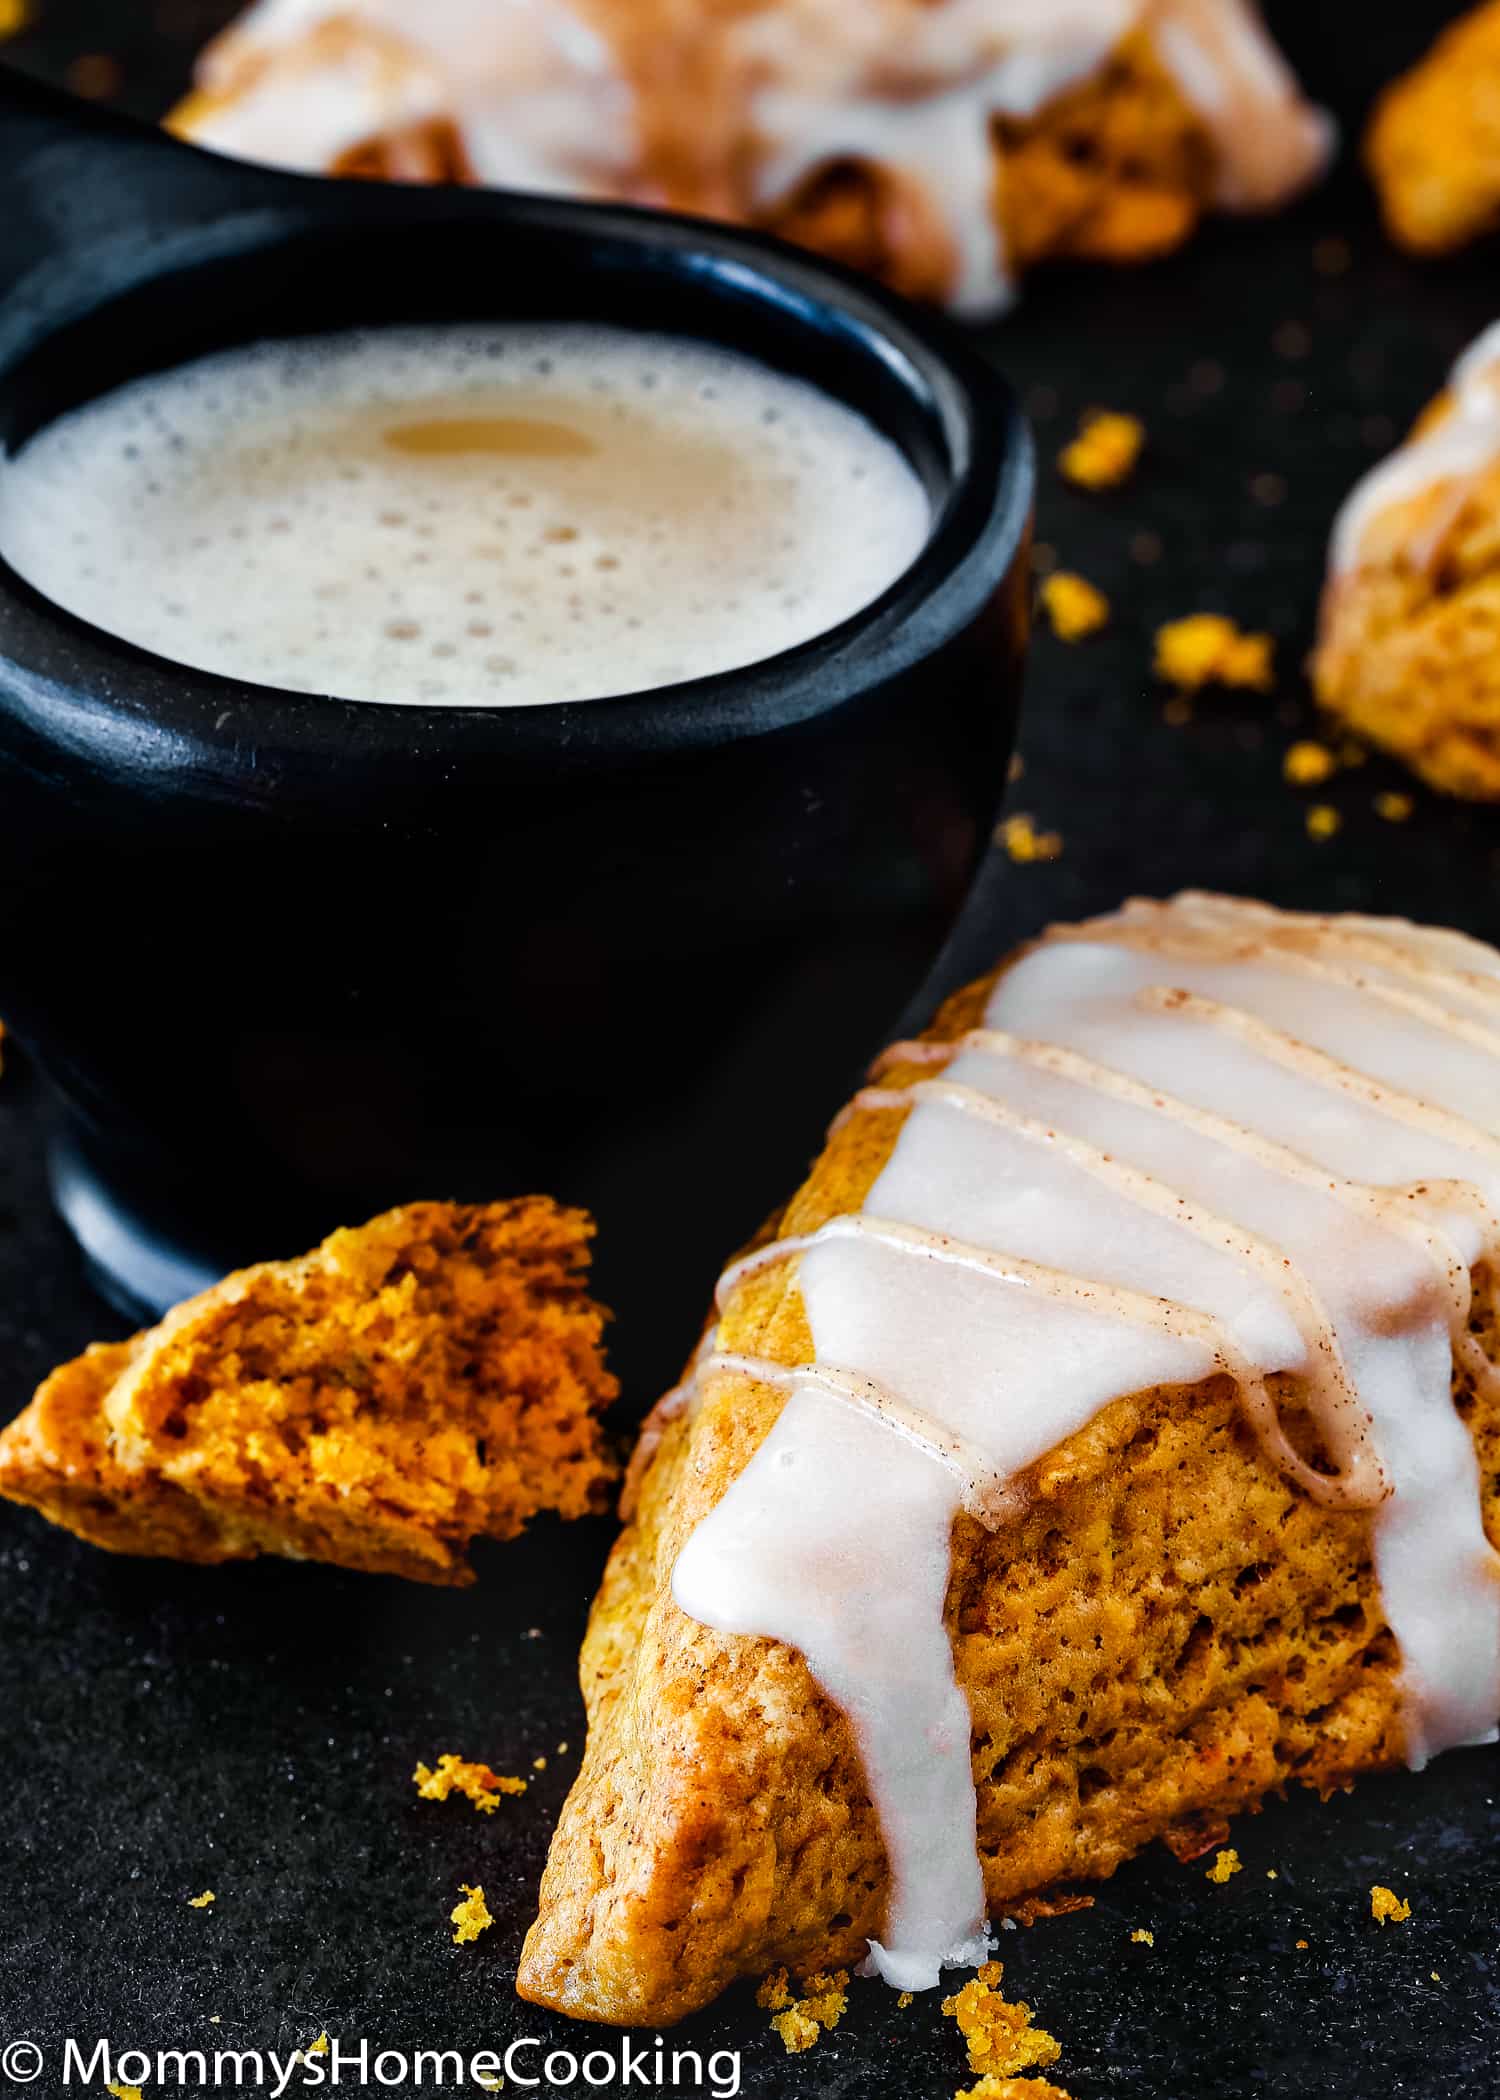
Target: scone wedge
429, 1378
1108, 1437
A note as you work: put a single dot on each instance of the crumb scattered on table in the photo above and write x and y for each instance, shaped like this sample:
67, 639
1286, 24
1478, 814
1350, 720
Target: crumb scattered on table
1393, 806
1143, 1937
124, 2092
202, 1902
1023, 842
1387, 1908
1105, 450
12, 17
800, 2021
472, 1916
1075, 606
1226, 1862
458, 1775
1323, 820
1000, 2037
1308, 764
993, 2088
1211, 649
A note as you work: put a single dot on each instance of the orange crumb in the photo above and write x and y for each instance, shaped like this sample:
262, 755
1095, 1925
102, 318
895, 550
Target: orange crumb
562, 1749
472, 1916
457, 1775
1001, 2039
1301, 1943
1225, 1863
1211, 649
1435, 1976
824, 1999
1394, 807
1105, 450
992, 2088
1387, 1908
319, 2047
1323, 820
202, 1902
12, 17
904, 2000
124, 2092
1074, 606
774, 1991
1023, 842
1271, 1874
538, 1764
1307, 764
1142, 1937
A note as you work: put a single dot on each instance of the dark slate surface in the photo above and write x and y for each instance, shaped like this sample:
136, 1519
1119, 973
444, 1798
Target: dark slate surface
162, 1731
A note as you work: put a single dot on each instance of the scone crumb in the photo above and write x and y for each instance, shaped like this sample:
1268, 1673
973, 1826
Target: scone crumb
320, 2046
1211, 649
1143, 1937
992, 2088
1301, 1943
1308, 764
797, 2031
124, 2092
539, 1764
459, 1775
1001, 2039
1323, 820
1387, 1908
904, 2000
12, 22
1393, 806
472, 1916
1023, 842
1075, 606
202, 1902
825, 1996
774, 1991
1105, 450
1225, 1863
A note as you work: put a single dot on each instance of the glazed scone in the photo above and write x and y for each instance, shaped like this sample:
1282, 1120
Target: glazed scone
1109, 1437
945, 144
413, 1384
1408, 651
1433, 147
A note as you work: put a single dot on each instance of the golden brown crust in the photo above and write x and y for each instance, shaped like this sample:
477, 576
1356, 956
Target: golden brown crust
1433, 147
1408, 651
1167, 1633
423, 1380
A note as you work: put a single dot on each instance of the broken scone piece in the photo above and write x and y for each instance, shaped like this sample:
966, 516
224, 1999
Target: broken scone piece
1433, 148
1406, 651
430, 1378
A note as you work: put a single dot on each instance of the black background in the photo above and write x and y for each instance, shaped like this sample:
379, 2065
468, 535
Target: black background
253, 1730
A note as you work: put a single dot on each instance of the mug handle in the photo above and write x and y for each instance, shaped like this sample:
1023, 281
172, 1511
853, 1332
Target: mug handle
85, 183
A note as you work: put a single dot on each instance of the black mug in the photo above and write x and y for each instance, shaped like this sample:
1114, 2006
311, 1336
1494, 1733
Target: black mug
286, 959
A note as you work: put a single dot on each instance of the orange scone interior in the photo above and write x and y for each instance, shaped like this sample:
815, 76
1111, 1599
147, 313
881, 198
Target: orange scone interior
1109, 1436
1434, 142
430, 1378
946, 144
1407, 651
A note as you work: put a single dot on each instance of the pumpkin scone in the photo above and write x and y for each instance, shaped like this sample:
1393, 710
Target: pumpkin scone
1109, 1435
944, 144
1408, 651
430, 1378
1433, 146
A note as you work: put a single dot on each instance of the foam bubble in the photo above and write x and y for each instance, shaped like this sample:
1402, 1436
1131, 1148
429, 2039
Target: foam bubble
327, 515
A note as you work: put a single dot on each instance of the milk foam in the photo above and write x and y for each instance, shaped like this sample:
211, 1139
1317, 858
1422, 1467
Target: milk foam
653, 510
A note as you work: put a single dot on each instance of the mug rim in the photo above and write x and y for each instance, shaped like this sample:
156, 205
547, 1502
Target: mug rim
57, 663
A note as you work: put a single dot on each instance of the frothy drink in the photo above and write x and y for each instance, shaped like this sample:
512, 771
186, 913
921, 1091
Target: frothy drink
498, 516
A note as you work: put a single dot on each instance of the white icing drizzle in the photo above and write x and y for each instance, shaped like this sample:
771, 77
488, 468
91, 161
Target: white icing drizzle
1444, 461
543, 98
1194, 1137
